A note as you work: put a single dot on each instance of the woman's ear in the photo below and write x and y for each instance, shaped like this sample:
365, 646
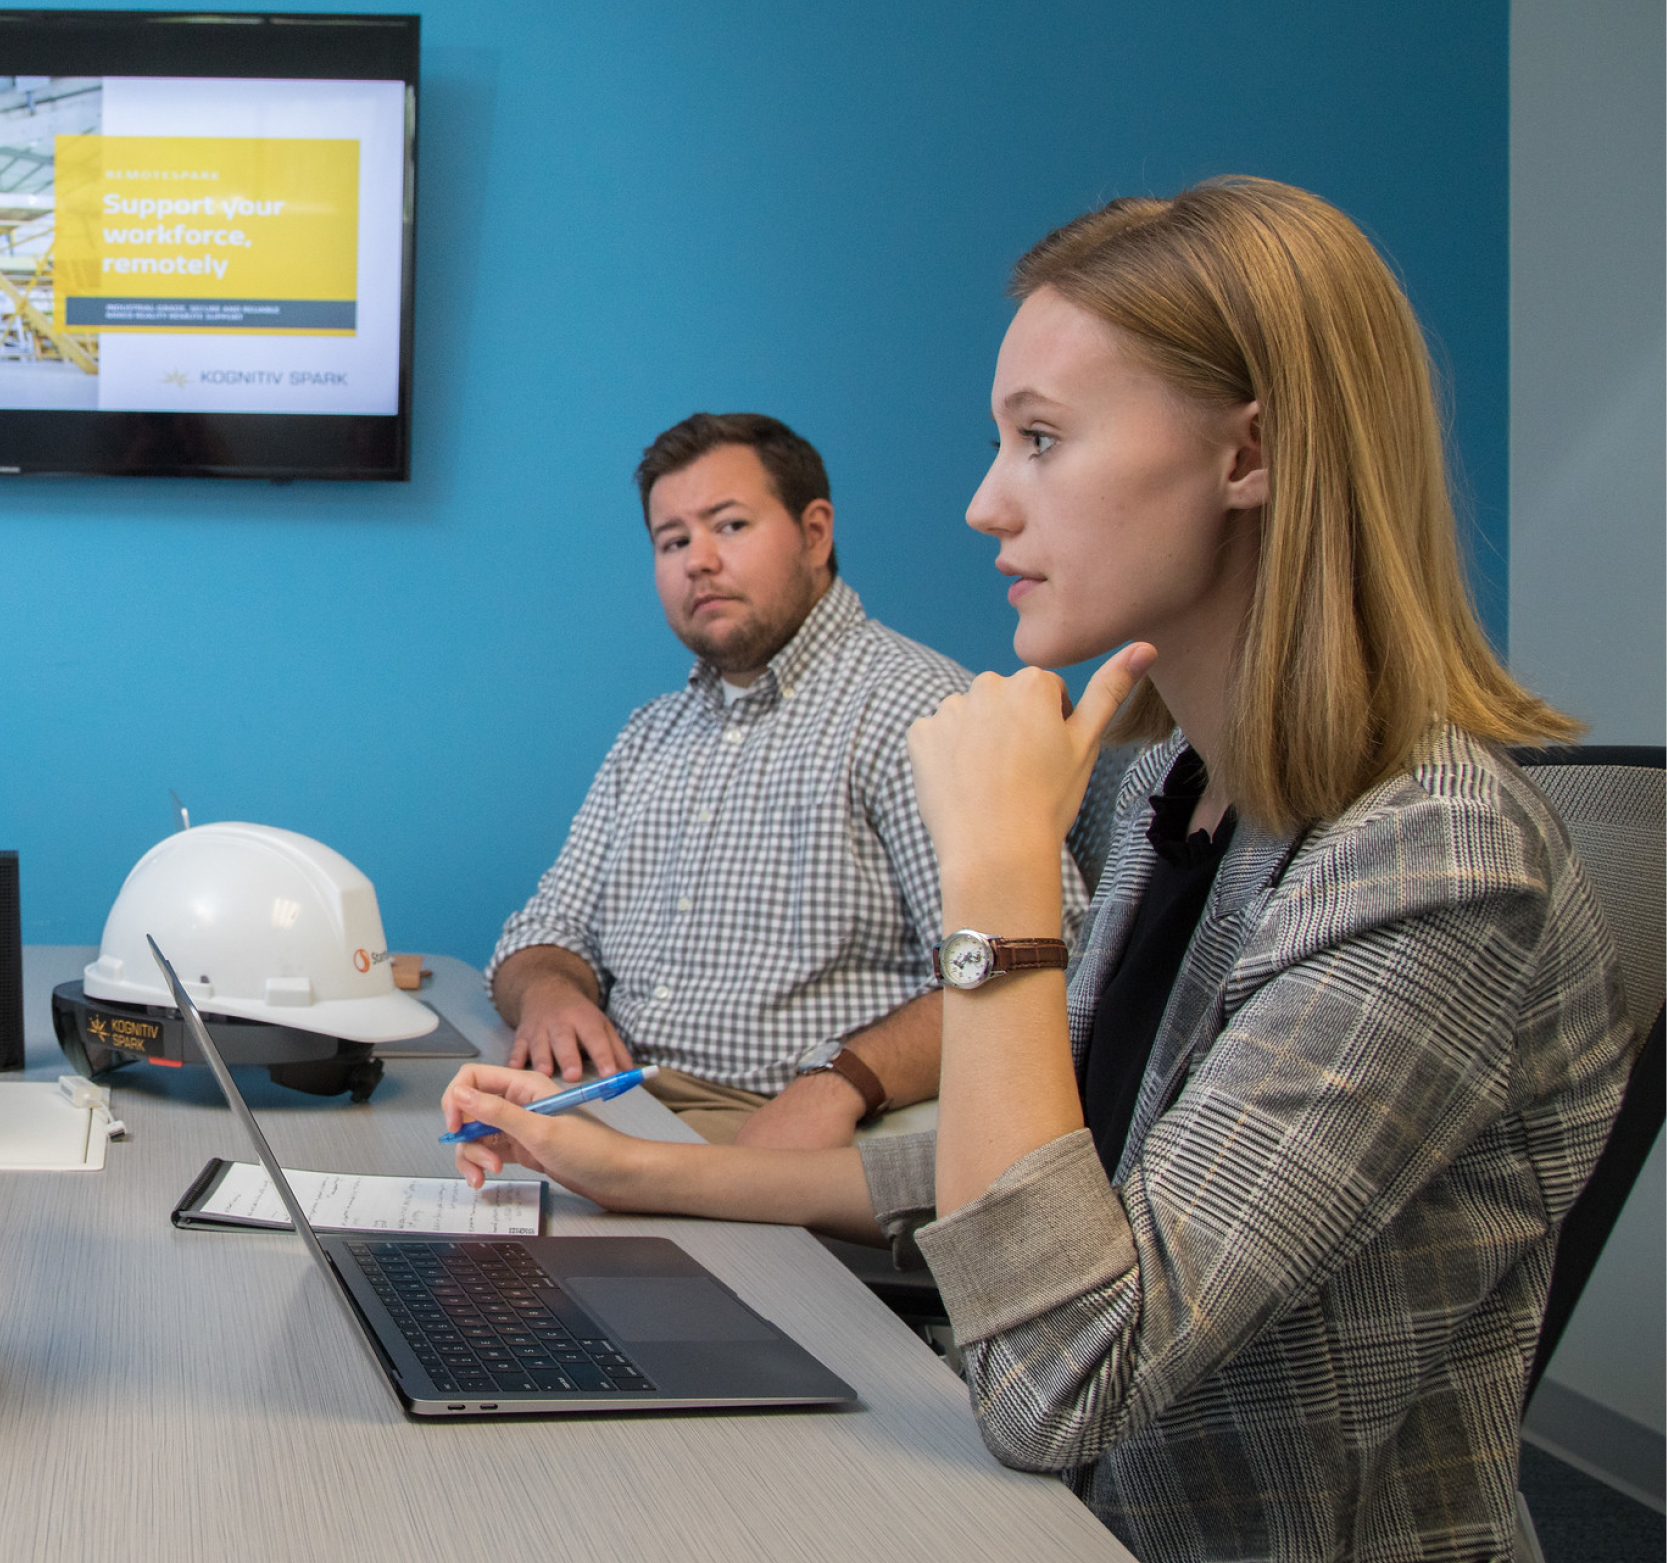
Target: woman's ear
1247, 478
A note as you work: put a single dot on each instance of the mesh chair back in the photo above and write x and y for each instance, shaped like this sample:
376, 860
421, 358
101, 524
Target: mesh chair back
1613, 802
1615, 806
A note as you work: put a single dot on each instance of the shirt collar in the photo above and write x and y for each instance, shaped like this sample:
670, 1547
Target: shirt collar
837, 612
1172, 812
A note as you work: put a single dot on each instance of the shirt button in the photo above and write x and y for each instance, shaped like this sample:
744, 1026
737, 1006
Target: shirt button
684, 903
732, 735
788, 692
704, 816
661, 991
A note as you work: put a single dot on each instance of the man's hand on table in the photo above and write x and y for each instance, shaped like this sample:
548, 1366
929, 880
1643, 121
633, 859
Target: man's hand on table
559, 1027
816, 1112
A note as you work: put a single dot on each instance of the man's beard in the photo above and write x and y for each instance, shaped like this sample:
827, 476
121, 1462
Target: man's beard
753, 642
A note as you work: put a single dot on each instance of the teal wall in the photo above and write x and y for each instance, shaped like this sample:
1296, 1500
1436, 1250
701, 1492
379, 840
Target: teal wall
626, 213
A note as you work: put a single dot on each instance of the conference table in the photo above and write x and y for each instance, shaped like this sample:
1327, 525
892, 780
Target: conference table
189, 1395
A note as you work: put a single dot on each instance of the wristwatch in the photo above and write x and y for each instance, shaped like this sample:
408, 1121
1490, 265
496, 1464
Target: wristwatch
968, 959
835, 1058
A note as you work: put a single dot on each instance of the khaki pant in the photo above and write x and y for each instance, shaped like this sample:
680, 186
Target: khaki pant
716, 1112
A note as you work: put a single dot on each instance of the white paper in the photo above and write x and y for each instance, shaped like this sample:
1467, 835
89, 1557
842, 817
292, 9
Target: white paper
367, 1203
41, 1132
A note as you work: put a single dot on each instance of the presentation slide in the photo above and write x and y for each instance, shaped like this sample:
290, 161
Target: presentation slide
201, 245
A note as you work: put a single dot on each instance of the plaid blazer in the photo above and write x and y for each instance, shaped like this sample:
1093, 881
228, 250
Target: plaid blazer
1298, 1323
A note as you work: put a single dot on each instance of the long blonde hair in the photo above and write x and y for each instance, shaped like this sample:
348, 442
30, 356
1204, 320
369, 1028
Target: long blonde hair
1361, 635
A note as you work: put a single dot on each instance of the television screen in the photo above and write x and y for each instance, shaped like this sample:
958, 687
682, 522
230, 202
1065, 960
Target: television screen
206, 227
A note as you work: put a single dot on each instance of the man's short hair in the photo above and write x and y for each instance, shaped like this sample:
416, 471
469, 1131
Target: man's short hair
789, 460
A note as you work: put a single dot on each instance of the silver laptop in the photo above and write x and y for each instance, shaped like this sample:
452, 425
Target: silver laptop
516, 1326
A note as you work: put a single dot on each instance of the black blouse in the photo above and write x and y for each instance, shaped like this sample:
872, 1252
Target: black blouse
1137, 991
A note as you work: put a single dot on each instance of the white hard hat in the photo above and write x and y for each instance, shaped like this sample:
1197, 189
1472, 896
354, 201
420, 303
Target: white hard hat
262, 924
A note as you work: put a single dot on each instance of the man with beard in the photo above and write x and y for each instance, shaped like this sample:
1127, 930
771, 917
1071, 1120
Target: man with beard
748, 897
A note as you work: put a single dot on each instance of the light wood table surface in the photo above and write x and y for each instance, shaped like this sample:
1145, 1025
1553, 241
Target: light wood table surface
183, 1396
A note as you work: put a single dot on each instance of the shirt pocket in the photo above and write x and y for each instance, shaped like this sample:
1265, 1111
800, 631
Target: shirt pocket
806, 887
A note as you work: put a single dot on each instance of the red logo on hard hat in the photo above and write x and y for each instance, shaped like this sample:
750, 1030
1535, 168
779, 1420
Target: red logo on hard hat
361, 959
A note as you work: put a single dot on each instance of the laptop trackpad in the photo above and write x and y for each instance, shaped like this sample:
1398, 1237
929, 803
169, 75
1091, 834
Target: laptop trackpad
665, 1308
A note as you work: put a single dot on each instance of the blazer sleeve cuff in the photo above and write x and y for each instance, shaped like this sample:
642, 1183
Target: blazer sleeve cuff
901, 1171
1049, 1229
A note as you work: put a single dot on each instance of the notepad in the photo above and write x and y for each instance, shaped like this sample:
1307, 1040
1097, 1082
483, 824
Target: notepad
41, 1131
239, 1194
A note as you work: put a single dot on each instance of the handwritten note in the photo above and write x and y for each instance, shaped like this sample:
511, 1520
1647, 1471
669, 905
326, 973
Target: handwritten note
367, 1203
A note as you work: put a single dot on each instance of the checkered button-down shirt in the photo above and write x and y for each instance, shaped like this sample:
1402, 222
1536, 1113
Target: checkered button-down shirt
749, 881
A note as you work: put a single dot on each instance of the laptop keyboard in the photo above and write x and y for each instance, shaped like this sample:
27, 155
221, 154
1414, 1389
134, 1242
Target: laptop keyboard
472, 1314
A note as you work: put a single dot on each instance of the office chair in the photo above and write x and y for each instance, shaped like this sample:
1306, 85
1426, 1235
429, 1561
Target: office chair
1612, 801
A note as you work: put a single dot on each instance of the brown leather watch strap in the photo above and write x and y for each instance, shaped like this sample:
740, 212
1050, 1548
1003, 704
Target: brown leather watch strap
1031, 954
867, 1083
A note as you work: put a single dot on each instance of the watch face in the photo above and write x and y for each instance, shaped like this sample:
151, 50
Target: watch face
966, 959
819, 1054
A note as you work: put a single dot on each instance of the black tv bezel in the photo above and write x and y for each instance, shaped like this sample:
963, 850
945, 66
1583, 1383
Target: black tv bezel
352, 447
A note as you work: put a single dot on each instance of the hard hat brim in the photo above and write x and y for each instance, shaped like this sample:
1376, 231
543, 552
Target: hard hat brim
389, 1017
384, 1017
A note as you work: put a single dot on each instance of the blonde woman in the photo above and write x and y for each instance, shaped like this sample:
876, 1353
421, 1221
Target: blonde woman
1245, 1225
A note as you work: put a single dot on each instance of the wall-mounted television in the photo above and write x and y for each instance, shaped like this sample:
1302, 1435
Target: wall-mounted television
206, 240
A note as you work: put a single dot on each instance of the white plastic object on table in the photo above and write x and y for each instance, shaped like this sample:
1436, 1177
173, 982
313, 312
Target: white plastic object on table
96, 1098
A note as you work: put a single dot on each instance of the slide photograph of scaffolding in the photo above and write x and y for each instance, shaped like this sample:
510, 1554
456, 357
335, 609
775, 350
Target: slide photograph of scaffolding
41, 364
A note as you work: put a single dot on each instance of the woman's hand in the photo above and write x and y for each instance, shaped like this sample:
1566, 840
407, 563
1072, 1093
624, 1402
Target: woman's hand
824, 1189
580, 1153
1002, 769
1000, 773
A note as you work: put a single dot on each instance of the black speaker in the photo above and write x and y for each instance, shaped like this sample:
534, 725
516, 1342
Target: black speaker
11, 965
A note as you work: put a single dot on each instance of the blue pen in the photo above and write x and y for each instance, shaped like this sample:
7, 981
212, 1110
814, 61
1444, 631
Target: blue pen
593, 1091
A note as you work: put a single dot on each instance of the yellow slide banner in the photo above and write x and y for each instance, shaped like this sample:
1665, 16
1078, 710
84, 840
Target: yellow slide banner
203, 233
